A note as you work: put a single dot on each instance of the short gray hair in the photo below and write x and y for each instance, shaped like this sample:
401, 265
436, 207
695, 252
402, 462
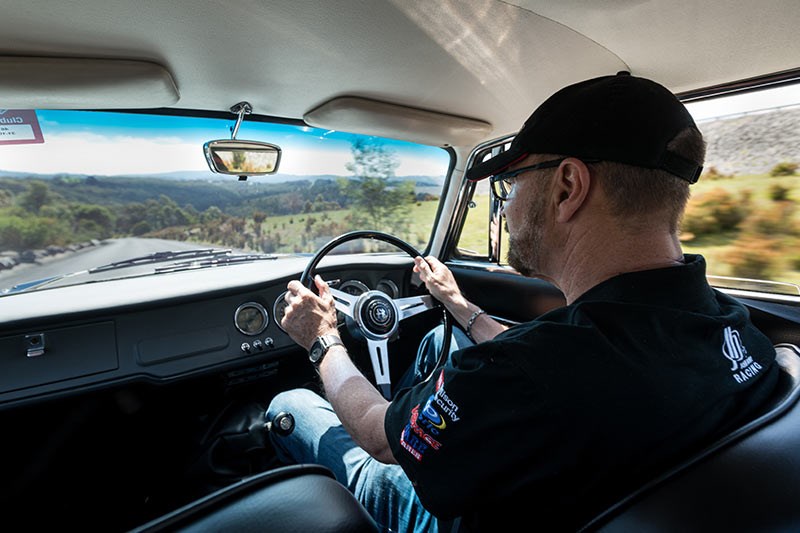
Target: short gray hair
637, 193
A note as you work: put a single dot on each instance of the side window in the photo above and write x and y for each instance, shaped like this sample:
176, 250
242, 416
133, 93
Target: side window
474, 239
479, 232
743, 213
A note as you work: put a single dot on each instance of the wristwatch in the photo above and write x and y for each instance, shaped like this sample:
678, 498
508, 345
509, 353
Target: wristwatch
321, 346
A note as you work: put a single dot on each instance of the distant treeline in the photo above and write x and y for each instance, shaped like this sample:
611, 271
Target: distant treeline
36, 212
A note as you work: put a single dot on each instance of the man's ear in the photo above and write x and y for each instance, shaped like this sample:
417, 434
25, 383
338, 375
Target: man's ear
571, 188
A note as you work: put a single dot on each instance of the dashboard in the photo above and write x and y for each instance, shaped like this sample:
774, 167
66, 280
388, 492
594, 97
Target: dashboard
165, 328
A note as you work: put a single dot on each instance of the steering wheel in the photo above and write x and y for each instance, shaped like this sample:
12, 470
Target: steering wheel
376, 315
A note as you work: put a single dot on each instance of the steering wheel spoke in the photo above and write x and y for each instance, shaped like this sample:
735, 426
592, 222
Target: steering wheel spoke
415, 305
379, 356
344, 302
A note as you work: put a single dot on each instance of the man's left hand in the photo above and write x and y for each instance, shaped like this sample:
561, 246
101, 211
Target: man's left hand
307, 315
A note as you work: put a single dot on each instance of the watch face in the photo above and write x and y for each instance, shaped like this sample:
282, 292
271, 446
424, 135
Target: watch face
316, 353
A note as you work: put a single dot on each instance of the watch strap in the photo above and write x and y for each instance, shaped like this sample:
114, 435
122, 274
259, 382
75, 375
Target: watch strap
321, 345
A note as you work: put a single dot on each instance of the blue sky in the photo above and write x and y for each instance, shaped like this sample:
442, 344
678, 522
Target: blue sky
117, 143
114, 143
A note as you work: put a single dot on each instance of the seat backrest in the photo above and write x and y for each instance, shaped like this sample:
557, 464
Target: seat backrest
747, 481
290, 499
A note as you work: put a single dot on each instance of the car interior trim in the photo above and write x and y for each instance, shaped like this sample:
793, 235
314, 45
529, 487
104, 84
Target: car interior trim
80, 83
372, 117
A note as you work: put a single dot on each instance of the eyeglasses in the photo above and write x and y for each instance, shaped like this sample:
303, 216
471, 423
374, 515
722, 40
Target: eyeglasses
503, 183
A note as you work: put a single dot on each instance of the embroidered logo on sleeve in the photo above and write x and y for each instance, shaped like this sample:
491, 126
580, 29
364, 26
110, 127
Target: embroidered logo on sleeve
743, 366
427, 424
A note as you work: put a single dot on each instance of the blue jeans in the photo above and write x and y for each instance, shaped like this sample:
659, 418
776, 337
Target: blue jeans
319, 438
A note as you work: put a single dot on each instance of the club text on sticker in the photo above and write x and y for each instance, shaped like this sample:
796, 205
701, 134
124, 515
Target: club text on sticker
19, 126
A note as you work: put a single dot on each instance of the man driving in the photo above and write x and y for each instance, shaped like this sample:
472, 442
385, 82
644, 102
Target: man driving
563, 415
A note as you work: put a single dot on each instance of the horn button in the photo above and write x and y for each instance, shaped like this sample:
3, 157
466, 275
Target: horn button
377, 314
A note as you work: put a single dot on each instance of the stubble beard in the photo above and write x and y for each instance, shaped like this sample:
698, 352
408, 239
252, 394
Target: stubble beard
524, 247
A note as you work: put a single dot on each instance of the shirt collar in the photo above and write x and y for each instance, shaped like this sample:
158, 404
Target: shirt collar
679, 285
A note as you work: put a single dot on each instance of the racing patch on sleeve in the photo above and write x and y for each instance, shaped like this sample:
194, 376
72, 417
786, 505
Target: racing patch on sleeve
427, 424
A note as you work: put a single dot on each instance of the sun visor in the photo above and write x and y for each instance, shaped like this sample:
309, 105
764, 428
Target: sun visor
77, 83
372, 117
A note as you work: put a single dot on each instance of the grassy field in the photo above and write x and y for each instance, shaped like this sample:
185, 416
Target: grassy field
307, 232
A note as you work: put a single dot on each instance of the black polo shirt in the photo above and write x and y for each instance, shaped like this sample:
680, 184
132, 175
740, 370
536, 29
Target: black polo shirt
555, 419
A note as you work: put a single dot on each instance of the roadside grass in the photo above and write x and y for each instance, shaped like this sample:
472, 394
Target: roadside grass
718, 247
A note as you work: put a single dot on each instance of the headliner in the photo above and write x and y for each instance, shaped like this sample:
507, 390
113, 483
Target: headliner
489, 60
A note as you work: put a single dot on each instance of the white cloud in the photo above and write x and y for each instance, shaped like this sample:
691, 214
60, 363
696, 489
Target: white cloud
87, 153
82, 153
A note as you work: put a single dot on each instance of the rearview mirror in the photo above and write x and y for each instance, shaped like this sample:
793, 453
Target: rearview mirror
242, 158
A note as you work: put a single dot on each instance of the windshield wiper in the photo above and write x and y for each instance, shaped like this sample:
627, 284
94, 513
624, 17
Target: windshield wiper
215, 261
30, 285
187, 260
159, 257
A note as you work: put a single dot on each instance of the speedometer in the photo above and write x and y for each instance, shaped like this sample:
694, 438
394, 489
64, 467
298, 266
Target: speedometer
354, 287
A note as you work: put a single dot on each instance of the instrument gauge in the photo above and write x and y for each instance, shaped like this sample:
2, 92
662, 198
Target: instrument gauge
279, 309
251, 318
354, 287
388, 287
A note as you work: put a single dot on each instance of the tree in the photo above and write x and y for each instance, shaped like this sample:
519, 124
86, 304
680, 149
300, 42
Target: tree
258, 220
38, 194
238, 161
375, 199
92, 221
212, 215
129, 216
6, 198
785, 168
20, 233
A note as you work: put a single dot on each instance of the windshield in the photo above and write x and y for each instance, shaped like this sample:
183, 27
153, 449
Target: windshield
87, 192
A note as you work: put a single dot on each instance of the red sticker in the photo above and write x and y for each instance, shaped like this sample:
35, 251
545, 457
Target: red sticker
19, 126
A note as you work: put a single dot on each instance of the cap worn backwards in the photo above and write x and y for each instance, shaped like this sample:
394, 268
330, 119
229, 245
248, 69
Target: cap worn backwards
620, 118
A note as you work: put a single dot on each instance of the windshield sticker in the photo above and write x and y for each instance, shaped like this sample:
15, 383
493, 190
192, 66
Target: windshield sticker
19, 126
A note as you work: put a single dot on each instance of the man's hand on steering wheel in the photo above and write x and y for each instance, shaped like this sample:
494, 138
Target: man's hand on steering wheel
376, 315
440, 282
307, 315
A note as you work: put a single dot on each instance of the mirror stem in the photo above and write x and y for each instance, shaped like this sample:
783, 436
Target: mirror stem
241, 109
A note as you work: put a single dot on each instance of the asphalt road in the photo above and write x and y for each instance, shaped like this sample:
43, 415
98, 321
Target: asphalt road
110, 251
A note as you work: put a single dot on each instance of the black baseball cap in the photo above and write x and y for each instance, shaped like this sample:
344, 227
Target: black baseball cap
620, 118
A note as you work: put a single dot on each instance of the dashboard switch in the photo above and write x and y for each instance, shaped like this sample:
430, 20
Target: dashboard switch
258, 345
35, 344
246, 347
268, 342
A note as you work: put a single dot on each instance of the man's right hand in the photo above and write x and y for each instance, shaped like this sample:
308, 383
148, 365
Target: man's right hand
440, 282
